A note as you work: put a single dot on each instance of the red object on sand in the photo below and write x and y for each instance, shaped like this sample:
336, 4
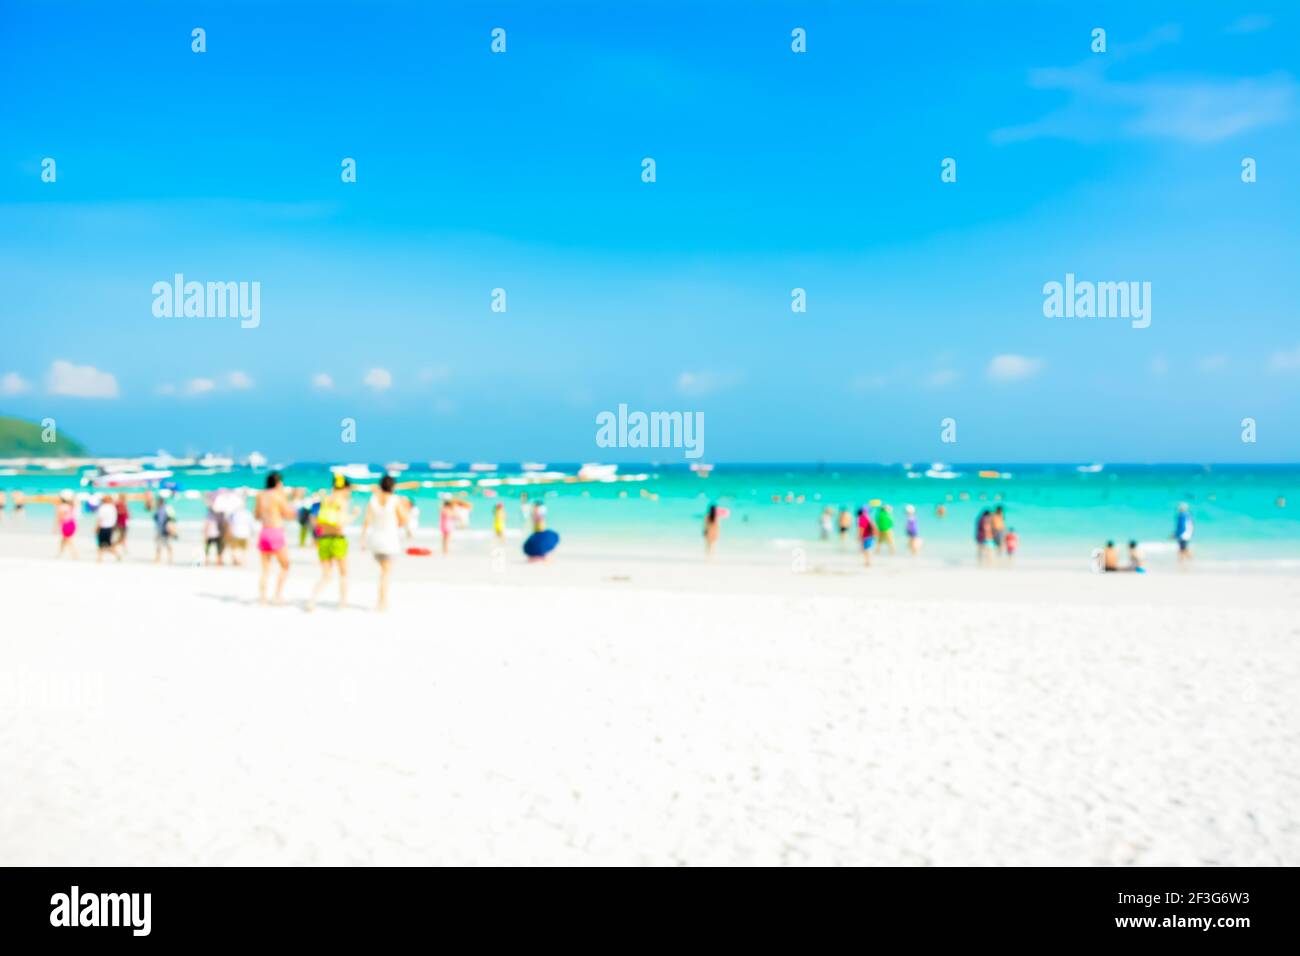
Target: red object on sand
419, 552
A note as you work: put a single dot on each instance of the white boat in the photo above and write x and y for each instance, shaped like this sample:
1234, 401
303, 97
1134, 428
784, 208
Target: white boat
592, 471
355, 472
255, 459
396, 467
441, 466
215, 461
701, 470
1089, 469
129, 479
533, 466
939, 470
482, 466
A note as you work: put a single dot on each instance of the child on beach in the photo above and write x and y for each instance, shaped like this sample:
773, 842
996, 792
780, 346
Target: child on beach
331, 541
1012, 543
65, 523
272, 509
164, 523
213, 539
499, 520
386, 516
912, 529
827, 522
446, 523
1135, 558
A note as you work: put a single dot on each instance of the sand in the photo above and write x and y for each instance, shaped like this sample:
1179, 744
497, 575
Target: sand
608, 709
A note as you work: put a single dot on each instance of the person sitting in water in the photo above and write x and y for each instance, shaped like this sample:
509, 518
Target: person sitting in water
1135, 558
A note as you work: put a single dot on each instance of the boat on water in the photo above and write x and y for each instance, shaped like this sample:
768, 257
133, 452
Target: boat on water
210, 460
702, 470
593, 471
482, 466
127, 479
355, 472
255, 459
396, 467
1089, 469
441, 466
939, 470
533, 466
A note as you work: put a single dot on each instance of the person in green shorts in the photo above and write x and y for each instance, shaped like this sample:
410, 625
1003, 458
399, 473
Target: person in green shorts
331, 541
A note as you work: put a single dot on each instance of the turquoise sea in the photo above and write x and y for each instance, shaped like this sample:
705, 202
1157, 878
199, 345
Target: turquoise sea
1059, 511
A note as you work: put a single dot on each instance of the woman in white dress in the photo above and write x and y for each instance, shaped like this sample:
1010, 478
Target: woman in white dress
386, 516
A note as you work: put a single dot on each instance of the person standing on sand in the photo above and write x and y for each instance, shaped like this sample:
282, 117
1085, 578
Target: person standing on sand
499, 520
712, 528
446, 523
1184, 528
386, 516
1135, 558
331, 540
272, 509
1013, 543
866, 534
846, 522
65, 523
123, 517
826, 522
106, 520
241, 529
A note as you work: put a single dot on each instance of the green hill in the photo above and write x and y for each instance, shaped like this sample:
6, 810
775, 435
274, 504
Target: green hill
20, 439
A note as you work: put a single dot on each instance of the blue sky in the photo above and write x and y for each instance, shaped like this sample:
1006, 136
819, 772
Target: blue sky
775, 170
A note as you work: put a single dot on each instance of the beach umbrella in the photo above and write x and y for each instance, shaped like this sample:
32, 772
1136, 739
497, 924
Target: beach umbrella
541, 543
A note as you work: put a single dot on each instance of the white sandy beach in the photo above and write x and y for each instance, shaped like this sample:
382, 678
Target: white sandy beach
613, 710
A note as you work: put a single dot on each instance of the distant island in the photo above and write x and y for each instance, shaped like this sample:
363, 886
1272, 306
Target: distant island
22, 439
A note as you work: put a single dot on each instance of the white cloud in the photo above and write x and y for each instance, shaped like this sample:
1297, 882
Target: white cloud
79, 381
322, 380
11, 383
1188, 110
1285, 361
1250, 23
199, 386
704, 383
941, 378
379, 379
867, 383
239, 380
1013, 368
